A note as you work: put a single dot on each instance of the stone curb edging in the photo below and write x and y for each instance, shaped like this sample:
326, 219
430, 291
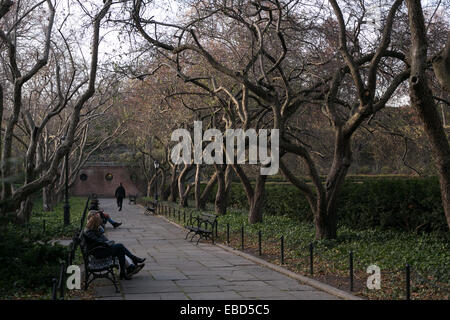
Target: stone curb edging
311, 282
308, 281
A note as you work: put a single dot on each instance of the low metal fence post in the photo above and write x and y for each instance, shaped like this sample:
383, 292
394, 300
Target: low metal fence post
61, 281
311, 258
259, 242
242, 238
54, 286
351, 270
228, 233
282, 249
408, 281
217, 226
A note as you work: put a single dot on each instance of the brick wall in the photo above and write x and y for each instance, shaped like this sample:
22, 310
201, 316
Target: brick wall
97, 183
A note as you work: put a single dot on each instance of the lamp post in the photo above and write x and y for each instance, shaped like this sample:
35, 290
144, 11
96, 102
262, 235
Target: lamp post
66, 189
156, 163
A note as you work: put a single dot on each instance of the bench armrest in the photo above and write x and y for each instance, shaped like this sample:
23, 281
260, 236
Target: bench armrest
99, 248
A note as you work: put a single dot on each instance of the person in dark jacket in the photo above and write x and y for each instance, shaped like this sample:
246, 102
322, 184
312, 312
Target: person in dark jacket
120, 194
95, 238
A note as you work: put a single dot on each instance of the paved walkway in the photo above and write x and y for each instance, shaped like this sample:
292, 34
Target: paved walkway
177, 269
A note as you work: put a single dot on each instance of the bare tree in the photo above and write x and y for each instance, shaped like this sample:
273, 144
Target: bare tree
278, 61
11, 199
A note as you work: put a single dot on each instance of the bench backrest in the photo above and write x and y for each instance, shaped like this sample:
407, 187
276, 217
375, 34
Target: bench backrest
83, 217
76, 239
83, 245
211, 218
208, 220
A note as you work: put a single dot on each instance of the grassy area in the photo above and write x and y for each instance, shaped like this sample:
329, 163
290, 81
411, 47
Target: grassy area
428, 254
28, 260
54, 220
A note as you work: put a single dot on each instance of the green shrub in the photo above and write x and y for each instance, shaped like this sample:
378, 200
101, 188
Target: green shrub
392, 204
27, 263
383, 202
386, 170
364, 170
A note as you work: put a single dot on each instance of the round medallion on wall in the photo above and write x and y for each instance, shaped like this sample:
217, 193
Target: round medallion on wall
83, 177
133, 177
108, 177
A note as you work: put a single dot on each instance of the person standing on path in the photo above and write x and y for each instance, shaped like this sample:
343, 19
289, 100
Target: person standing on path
120, 194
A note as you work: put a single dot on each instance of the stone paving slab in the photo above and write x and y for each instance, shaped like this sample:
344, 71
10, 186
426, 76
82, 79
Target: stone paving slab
177, 269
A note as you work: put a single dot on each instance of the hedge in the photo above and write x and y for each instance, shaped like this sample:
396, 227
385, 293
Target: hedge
388, 203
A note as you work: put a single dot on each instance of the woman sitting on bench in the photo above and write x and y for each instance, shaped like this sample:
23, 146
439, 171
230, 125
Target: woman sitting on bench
95, 238
105, 217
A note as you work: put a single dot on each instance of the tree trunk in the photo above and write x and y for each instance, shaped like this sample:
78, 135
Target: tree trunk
322, 200
326, 216
255, 214
173, 185
441, 66
207, 191
228, 183
48, 198
25, 211
8, 143
151, 191
197, 186
1, 121
255, 197
182, 191
219, 203
422, 100
164, 193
